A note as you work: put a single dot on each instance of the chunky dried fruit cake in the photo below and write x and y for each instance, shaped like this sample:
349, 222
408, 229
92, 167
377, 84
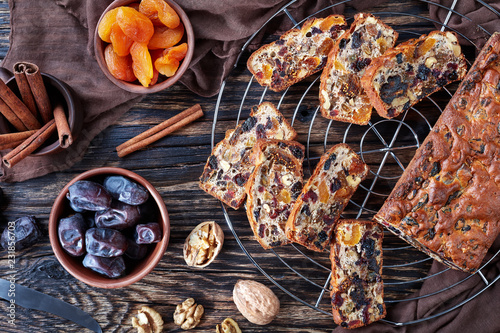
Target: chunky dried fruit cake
413, 70
447, 202
341, 95
357, 291
324, 197
229, 166
297, 54
273, 188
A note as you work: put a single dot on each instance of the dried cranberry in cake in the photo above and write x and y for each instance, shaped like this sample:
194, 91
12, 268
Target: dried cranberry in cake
357, 290
230, 164
409, 72
324, 197
341, 95
272, 189
446, 203
297, 54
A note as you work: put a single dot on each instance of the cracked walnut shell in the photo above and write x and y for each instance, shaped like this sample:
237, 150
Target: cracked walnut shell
148, 321
188, 314
255, 301
203, 244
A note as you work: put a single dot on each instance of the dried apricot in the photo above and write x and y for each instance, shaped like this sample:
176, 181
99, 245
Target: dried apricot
155, 54
106, 24
159, 9
119, 67
169, 62
141, 63
121, 42
164, 37
134, 24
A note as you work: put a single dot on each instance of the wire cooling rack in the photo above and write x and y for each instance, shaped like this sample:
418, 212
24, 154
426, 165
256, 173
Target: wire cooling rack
385, 145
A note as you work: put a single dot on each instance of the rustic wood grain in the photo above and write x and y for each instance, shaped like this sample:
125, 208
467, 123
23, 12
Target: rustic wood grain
173, 165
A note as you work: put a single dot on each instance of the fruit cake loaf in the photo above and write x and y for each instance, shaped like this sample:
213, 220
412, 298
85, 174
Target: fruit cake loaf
229, 165
413, 70
324, 197
357, 289
297, 54
273, 188
341, 96
447, 202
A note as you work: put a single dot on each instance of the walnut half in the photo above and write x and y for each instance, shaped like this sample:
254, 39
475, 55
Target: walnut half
148, 321
228, 326
188, 314
203, 244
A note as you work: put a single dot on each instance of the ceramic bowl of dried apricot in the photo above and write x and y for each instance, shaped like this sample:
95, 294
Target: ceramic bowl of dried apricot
144, 46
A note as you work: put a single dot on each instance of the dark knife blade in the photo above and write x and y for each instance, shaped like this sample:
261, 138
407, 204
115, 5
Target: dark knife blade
32, 299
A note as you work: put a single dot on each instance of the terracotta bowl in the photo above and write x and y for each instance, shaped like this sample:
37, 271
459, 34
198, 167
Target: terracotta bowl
163, 82
58, 91
136, 270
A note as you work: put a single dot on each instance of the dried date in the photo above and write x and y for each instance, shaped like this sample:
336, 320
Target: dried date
71, 232
136, 251
119, 216
88, 195
24, 232
110, 267
105, 242
125, 190
147, 233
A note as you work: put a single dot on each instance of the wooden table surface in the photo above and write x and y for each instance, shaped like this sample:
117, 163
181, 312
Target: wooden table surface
173, 166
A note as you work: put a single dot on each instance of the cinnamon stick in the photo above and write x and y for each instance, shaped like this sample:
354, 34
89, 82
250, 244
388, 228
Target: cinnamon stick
18, 108
29, 145
39, 91
159, 131
24, 87
63, 130
11, 116
11, 144
11, 140
15, 137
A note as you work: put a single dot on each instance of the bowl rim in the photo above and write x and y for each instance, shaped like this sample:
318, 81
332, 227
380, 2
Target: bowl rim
138, 88
94, 279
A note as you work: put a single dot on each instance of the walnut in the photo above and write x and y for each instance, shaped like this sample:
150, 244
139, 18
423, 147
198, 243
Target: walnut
228, 326
255, 301
148, 321
188, 314
203, 244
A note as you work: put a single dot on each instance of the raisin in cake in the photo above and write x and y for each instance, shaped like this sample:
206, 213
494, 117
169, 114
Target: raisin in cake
297, 54
357, 291
447, 202
273, 188
413, 70
324, 197
341, 96
229, 166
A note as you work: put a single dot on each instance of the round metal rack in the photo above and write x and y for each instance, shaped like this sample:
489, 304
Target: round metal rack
386, 145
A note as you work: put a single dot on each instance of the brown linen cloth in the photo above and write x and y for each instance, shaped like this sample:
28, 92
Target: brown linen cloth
477, 15
57, 35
